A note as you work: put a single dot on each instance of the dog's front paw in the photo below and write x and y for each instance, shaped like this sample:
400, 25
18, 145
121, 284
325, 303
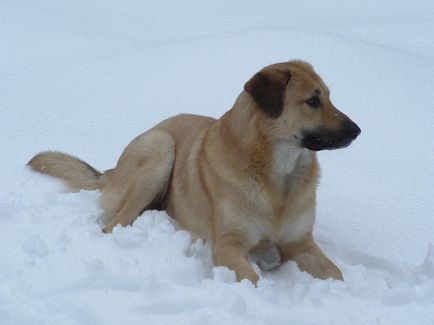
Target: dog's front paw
107, 229
333, 272
249, 275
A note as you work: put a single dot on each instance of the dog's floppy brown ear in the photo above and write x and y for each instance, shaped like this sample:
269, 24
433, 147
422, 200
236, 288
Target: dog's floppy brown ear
267, 88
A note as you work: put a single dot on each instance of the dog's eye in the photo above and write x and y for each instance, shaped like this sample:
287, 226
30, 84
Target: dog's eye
313, 102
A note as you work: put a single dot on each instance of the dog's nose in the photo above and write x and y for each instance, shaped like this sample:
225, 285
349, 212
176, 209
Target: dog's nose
352, 129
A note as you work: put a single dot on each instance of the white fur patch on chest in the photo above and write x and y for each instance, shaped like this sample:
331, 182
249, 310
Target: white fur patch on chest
285, 158
289, 162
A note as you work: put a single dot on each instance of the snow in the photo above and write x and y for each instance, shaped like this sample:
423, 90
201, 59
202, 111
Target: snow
85, 77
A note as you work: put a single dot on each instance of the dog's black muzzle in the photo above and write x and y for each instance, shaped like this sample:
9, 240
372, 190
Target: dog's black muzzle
327, 139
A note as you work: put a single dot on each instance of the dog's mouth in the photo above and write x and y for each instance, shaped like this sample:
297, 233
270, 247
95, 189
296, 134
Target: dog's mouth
325, 139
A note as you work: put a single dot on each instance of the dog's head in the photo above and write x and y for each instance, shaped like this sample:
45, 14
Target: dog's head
294, 105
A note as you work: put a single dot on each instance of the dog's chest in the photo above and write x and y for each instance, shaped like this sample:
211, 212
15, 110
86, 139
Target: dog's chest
289, 228
287, 207
287, 220
294, 227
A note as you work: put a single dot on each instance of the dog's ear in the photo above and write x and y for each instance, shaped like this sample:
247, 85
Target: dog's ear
267, 88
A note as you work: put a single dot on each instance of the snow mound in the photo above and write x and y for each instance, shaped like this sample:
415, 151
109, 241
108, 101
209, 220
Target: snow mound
58, 267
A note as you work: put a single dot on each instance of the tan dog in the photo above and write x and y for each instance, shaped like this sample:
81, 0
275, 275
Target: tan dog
246, 181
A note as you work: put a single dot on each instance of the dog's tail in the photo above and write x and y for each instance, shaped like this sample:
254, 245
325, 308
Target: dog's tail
77, 174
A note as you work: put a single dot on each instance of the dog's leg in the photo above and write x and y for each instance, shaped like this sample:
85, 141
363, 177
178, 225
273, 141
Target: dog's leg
142, 174
230, 252
138, 196
310, 258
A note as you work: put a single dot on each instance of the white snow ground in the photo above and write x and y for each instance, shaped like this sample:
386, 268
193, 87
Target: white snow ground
87, 76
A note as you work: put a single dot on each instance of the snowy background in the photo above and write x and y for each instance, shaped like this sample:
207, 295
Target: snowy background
85, 77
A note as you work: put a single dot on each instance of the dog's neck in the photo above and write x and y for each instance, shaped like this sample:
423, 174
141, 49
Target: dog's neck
279, 161
288, 157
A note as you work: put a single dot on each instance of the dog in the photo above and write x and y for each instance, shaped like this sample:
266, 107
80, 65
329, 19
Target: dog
245, 182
